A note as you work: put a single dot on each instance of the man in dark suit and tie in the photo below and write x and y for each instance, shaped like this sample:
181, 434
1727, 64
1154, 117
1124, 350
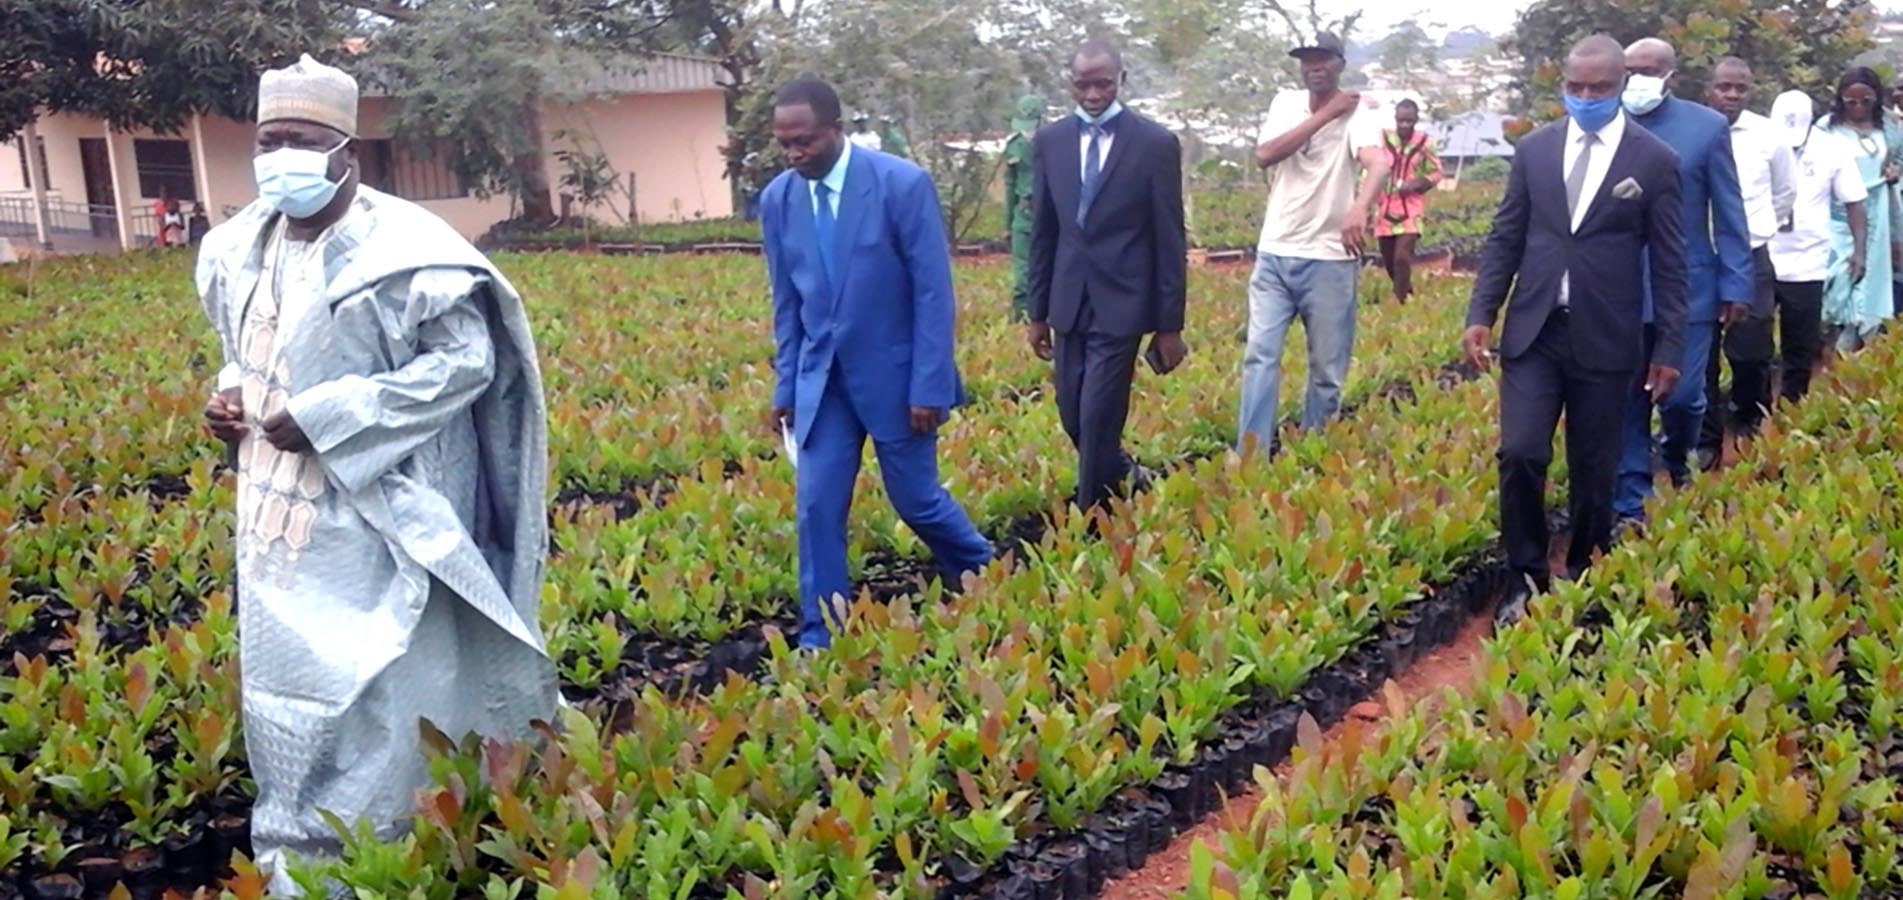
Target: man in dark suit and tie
862, 324
1587, 199
1108, 262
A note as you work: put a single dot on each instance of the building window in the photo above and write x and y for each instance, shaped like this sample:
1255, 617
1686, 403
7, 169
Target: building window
404, 171
26, 175
165, 166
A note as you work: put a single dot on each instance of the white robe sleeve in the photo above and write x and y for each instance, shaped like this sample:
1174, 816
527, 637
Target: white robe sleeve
363, 426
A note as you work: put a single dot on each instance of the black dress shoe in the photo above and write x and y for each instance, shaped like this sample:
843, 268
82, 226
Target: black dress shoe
1513, 608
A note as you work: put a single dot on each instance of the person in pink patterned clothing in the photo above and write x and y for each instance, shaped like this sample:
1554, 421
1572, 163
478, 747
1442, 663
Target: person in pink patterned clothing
1414, 170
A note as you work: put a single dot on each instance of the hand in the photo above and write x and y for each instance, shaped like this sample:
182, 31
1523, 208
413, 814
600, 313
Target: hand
1354, 231
224, 415
282, 431
1857, 267
1659, 380
1473, 345
1730, 314
926, 420
1891, 171
1170, 346
782, 417
1342, 104
1039, 334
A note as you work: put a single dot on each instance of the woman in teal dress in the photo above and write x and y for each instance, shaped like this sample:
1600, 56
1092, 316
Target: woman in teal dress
1855, 311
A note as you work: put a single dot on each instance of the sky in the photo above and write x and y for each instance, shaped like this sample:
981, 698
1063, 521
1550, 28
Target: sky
1495, 16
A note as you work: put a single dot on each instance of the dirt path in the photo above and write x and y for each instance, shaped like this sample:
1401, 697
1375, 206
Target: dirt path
1167, 872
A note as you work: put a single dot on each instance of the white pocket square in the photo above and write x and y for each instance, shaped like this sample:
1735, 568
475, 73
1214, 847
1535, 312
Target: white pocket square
1628, 190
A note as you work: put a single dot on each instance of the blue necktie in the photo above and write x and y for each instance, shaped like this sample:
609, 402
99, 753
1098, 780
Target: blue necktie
1093, 167
823, 228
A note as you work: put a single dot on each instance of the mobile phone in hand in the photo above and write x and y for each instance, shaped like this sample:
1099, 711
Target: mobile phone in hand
1154, 357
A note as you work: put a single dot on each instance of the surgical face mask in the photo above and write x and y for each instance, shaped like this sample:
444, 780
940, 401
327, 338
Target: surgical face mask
1643, 93
296, 182
1592, 115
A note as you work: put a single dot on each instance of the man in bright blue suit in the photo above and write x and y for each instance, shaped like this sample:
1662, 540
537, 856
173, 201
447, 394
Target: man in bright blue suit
862, 324
1717, 258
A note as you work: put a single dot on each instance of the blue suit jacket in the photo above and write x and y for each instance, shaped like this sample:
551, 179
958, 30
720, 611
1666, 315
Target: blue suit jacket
888, 323
1718, 264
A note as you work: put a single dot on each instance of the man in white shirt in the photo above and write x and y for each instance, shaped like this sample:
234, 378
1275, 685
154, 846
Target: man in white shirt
1767, 178
863, 135
1828, 185
1312, 234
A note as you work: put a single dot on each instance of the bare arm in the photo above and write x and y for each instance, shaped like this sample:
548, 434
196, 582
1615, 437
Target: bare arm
1859, 234
1276, 149
1375, 167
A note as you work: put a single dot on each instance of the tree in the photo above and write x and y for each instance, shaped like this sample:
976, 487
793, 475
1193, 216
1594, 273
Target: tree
151, 64
1409, 56
1206, 57
470, 78
1303, 21
1789, 43
925, 64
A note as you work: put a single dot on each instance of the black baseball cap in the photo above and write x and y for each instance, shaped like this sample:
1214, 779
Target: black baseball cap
1323, 43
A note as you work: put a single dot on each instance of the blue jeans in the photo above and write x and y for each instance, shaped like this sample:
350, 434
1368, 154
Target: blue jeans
1681, 416
1322, 292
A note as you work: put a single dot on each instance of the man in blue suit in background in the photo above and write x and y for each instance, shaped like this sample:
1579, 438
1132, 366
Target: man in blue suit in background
862, 324
1714, 214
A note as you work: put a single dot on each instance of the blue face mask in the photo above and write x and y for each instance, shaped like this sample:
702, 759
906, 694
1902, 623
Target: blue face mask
1592, 115
1115, 109
296, 182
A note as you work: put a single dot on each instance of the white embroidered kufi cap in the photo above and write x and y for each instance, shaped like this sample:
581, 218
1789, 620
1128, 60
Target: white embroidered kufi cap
310, 91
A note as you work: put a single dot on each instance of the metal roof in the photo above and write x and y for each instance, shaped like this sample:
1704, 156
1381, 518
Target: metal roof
1475, 134
661, 73
653, 73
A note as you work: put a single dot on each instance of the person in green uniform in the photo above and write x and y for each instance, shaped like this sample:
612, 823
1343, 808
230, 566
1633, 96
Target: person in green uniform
894, 139
1017, 197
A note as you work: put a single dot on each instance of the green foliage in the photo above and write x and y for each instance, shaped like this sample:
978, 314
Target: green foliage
1409, 56
150, 64
1789, 43
471, 76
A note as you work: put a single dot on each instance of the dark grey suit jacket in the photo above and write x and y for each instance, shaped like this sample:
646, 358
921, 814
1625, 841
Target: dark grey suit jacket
1129, 257
1533, 244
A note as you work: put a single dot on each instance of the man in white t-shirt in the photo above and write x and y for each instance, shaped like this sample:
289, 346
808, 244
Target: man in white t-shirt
1828, 186
1307, 260
863, 135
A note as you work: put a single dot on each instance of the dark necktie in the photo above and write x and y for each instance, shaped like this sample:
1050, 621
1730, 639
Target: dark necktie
1093, 167
823, 228
1576, 179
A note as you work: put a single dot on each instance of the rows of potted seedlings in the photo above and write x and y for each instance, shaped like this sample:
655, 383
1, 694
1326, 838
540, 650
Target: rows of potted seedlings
1710, 713
942, 731
717, 558
128, 554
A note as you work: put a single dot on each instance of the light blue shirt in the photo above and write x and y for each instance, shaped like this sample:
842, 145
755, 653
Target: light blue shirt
835, 180
1103, 145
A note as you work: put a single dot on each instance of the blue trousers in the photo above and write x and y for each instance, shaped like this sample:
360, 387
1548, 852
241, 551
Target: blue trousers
828, 468
1322, 293
1681, 416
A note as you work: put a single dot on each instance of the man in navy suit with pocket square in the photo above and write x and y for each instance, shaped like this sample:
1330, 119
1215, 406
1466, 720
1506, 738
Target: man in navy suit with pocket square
1589, 197
1108, 263
863, 317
